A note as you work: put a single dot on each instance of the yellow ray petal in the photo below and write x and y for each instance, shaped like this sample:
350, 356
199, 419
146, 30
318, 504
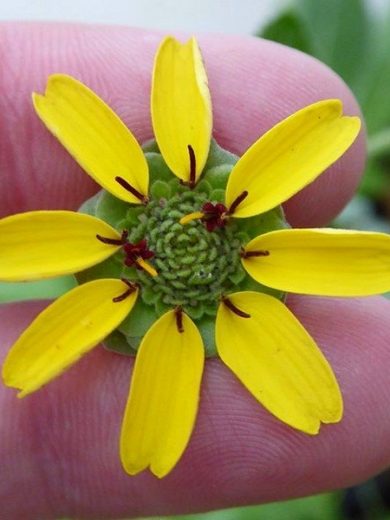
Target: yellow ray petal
290, 156
163, 401
94, 135
181, 106
328, 262
278, 362
64, 331
41, 244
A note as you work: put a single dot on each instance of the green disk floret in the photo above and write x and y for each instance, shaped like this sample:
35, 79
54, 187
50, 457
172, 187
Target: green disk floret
195, 267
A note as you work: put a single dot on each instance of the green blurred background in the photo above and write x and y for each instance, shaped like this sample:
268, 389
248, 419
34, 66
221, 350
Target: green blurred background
354, 40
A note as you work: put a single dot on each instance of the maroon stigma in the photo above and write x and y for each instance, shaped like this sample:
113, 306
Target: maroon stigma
214, 215
192, 173
179, 319
127, 186
230, 305
217, 215
236, 202
135, 254
135, 251
131, 288
115, 241
191, 153
251, 254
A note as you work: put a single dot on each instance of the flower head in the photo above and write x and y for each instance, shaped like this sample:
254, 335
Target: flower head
186, 252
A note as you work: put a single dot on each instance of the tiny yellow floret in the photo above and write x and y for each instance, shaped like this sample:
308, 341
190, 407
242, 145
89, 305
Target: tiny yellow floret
196, 215
146, 267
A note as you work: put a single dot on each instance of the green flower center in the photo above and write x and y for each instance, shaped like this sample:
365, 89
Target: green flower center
196, 267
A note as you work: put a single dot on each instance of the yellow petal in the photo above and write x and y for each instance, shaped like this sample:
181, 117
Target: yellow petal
278, 362
290, 156
181, 106
163, 401
64, 331
328, 262
41, 244
95, 136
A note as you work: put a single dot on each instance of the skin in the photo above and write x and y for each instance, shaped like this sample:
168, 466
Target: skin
59, 447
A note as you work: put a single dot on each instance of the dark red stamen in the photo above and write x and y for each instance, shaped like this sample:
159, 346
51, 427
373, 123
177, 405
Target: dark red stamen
236, 202
192, 166
235, 309
132, 190
179, 319
214, 215
135, 251
131, 288
249, 254
114, 241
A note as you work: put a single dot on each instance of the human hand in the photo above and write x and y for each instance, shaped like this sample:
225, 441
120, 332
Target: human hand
59, 446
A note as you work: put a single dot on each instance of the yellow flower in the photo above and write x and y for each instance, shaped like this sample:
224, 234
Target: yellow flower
257, 337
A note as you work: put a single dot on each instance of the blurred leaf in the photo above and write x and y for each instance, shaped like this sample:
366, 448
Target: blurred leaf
372, 87
338, 30
319, 507
334, 31
45, 289
360, 214
376, 179
346, 36
290, 29
379, 144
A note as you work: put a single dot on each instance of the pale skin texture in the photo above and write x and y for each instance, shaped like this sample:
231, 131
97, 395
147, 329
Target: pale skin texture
59, 447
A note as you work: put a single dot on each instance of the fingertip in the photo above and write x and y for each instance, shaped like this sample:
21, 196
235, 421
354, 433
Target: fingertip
237, 446
277, 80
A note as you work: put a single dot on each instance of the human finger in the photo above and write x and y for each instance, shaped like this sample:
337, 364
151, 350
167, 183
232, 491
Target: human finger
116, 62
59, 447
